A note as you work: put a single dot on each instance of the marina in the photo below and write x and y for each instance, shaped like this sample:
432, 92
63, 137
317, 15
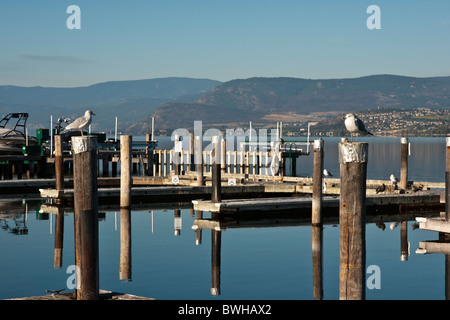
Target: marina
261, 201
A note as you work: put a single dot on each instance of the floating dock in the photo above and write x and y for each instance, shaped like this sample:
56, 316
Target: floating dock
422, 199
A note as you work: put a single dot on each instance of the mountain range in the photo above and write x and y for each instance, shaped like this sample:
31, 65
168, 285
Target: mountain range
178, 102
130, 101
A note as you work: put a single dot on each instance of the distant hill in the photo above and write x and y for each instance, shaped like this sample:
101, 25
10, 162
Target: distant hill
130, 101
254, 99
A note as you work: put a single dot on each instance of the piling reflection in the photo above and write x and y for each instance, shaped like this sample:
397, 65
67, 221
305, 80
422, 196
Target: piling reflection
125, 244
59, 238
317, 261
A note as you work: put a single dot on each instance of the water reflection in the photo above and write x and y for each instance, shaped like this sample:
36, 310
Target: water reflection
219, 224
202, 221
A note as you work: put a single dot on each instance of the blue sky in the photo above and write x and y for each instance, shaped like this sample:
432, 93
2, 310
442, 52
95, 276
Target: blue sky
221, 40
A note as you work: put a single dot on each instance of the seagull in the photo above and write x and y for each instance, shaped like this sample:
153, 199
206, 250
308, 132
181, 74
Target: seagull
393, 178
327, 173
81, 123
381, 188
355, 125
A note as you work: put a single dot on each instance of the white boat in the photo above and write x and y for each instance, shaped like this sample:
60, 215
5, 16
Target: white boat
12, 134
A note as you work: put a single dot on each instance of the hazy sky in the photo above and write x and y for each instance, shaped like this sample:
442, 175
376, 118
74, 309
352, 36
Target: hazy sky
221, 40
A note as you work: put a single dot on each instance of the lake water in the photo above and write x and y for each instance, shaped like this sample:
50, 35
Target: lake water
169, 259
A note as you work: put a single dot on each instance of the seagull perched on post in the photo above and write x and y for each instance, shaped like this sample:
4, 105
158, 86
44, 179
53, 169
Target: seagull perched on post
81, 123
327, 173
355, 125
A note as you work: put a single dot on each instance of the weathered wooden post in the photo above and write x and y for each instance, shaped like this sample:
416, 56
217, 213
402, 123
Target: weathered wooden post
352, 211
191, 152
176, 155
215, 171
125, 171
317, 222
150, 155
223, 154
317, 183
447, 181
59, 163
404, 164
199, 160
84, 151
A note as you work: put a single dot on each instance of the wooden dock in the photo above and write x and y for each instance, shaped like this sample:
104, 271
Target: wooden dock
103, 295
420, 199
434, 224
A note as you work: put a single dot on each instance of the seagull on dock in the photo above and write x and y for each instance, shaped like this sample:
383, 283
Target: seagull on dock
355, 126
81, 123
393, 179
327, 173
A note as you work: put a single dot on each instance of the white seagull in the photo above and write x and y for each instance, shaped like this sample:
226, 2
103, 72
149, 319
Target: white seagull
327, 173
355, 125
393, 178
81, 123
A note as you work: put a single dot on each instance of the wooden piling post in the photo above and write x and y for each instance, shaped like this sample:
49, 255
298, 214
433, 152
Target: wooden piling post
215, 171
84, 151
317, 221
150, 156
447, 182
317, 183
352, 211
191, 152
404, 164
59, 163
223, 154
177, 156
199, 160
125, 171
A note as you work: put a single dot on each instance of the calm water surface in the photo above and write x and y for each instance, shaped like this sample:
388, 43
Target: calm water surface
171, 261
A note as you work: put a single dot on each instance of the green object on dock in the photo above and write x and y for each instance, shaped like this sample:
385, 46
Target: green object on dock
33, 150
42, 135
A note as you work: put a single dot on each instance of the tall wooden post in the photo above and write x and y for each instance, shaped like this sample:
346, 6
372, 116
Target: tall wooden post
223, 154
125, 171
352, 212
150, 155
216, 174
317, 183
84, 151
317, 221
191, 152
176, 156
199, 161
404, 164
447, 182
59, 163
